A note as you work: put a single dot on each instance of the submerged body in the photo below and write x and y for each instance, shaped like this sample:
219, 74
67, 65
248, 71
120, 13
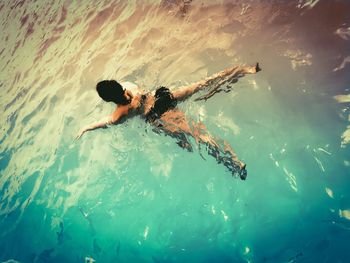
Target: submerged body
159, 109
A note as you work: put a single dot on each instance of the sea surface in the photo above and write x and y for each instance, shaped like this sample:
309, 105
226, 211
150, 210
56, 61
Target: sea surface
128, 194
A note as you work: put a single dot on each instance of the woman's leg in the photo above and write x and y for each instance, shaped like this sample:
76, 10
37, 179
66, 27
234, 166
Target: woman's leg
220, 150
174, 123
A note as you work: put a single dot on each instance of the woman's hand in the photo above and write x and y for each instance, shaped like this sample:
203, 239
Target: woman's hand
109, 120
80, 133
97, 125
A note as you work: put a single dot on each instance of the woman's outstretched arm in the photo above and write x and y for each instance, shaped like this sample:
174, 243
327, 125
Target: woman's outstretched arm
109, 120
183, 93
100, 124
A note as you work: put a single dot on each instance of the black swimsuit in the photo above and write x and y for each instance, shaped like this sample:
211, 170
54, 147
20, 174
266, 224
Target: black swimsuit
164, 101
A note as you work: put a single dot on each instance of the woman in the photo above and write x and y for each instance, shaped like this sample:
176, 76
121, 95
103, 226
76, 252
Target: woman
159, 109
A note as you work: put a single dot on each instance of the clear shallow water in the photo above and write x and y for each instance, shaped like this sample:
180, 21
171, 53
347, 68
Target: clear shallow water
127, 194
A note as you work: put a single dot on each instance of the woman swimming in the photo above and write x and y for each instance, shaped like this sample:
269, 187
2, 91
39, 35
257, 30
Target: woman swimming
159, 109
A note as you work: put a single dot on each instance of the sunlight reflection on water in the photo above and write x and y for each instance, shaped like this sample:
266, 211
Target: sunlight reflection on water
129, 194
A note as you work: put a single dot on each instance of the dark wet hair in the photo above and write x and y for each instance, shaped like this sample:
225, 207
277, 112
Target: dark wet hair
111, 90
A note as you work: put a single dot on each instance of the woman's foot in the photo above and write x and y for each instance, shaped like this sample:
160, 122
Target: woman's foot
240, 170
243, 171
242, 166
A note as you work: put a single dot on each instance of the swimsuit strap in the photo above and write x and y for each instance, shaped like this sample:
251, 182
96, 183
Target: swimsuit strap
142, 102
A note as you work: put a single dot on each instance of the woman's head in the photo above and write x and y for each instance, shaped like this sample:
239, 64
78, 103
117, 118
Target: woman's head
111, 90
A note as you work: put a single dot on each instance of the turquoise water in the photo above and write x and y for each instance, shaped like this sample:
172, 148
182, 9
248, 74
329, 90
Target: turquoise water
127, 194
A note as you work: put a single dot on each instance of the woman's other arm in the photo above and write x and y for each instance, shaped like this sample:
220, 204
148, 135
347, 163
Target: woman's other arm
183, 93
